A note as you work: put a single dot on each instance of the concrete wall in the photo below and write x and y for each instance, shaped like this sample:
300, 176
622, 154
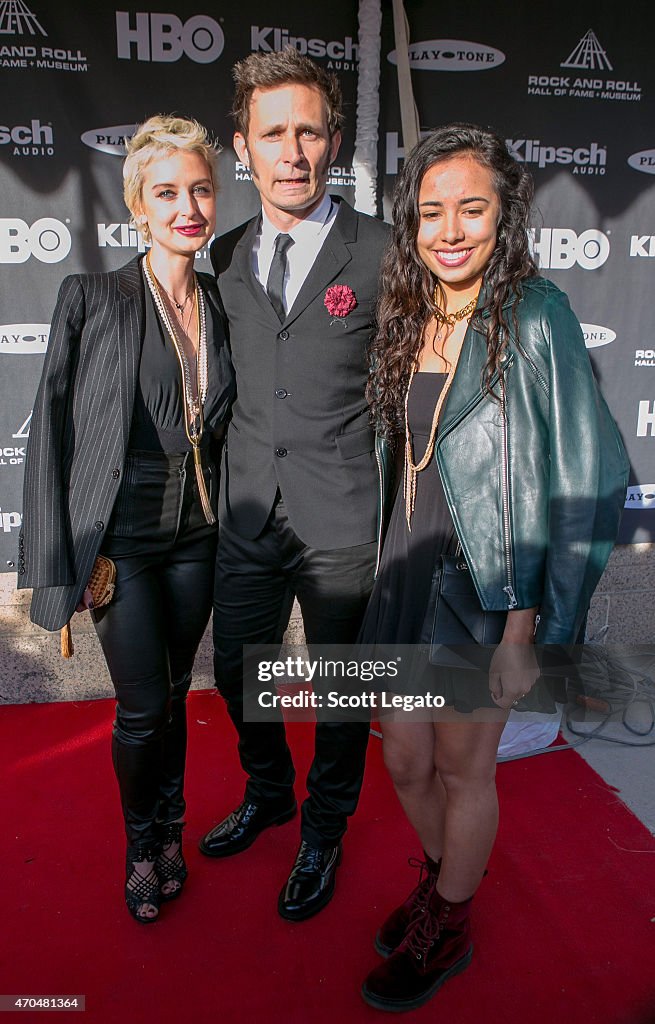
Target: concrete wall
31, 668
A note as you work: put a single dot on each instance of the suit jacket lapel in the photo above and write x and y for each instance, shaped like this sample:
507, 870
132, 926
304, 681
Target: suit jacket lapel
334, 256
130, 323
243, 259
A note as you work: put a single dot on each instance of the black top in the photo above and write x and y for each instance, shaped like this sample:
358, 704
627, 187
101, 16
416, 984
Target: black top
158, 417
399, 601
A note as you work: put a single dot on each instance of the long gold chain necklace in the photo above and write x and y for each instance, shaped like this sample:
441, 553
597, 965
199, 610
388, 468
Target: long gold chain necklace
193, 405
412, 469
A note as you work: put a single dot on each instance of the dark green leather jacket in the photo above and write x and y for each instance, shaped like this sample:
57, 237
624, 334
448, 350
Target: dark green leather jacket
536, 494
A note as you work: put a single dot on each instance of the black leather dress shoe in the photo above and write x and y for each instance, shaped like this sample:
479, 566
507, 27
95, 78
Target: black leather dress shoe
310, 885
240, 829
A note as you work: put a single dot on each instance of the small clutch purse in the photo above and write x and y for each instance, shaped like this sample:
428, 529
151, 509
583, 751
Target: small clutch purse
102, 583
459, 633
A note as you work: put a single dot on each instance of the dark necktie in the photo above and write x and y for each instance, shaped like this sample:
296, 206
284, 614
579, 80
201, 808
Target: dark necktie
275, 283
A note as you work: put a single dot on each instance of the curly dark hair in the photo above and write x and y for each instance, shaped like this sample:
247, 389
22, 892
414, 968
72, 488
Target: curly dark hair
407, 287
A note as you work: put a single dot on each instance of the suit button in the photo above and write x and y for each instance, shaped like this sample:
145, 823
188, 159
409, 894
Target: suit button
115, 473
99, 525
281, 452
283, 335
281, 393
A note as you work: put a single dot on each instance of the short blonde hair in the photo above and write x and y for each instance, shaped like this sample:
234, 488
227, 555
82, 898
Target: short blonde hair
161, 134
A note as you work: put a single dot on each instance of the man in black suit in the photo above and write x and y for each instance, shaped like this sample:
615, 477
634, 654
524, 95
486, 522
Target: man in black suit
298, 506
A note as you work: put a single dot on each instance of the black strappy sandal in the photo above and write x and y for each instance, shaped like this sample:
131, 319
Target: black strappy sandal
142, 890
171, 867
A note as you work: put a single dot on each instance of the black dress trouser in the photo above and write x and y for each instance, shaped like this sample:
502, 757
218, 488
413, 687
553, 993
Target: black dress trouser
164, 553
256, 581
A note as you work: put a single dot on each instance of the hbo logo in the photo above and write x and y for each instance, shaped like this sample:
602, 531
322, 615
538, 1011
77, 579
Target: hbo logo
163, 37
562, 248
48, 239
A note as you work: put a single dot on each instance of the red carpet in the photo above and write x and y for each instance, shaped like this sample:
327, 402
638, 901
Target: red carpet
564, 924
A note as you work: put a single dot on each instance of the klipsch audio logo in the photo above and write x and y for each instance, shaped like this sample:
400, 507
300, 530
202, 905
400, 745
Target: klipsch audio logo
22, 340
34, 139
124, 236
451, 55
585, 64
643, 161
47, 239
109, 140
590, 159
340, 54
596, 336
640, 496
16, 19
165, 38
643, 246
563, 248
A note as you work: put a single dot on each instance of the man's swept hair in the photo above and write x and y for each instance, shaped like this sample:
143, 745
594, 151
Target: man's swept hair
277, 69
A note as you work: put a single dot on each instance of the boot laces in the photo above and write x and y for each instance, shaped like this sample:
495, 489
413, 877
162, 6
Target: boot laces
424, 933
424, 889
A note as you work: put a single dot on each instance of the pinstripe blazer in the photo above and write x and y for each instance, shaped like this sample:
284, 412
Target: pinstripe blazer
80, 430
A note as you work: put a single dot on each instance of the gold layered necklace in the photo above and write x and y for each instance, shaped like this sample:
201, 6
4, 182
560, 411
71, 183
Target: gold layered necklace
193, 404
460, 314
412, 469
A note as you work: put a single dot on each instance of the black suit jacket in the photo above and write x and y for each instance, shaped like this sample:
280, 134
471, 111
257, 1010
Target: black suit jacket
80, 430
300, 421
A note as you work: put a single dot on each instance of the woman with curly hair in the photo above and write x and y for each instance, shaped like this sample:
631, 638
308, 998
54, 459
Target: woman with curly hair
482, 378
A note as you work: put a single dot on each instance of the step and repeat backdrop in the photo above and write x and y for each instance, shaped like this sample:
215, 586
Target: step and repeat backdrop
571, 88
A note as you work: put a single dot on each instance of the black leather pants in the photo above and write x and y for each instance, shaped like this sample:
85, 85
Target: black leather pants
256, 581
164, 553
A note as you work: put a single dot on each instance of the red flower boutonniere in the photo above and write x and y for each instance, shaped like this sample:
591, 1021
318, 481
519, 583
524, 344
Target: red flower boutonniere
339, 301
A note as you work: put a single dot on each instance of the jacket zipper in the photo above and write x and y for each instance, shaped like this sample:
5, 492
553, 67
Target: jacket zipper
381, 508
507, 533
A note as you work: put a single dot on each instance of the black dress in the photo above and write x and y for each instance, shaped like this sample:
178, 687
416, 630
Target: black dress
396, 615
400, 602
396, 610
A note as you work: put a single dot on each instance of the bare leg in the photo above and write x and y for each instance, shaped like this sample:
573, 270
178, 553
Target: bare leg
465, 757
409, 754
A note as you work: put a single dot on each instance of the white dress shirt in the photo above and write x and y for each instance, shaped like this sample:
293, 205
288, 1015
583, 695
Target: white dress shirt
308, 238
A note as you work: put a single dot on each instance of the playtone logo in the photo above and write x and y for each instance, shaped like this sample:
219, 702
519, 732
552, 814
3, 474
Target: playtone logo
47, 239
563, 248
109, 140
596, 336
21, 340
640, 496
164, 38
35, 139
589, 159
643, 161
451, 55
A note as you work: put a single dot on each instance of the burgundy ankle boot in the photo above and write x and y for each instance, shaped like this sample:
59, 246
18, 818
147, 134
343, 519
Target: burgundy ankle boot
436, 947
392, 932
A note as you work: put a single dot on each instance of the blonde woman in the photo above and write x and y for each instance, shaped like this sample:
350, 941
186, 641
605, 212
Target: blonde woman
136, 384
